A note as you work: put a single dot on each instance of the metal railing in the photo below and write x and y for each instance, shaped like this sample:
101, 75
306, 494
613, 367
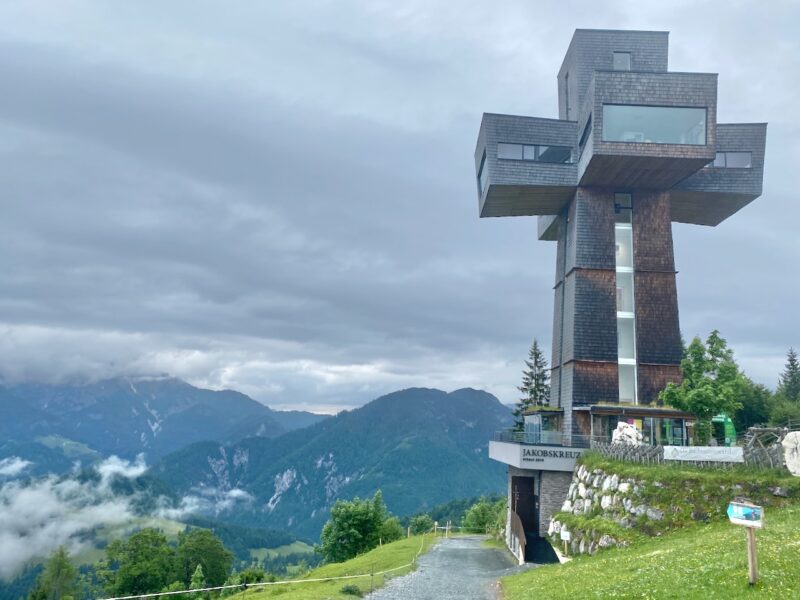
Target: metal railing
541, 438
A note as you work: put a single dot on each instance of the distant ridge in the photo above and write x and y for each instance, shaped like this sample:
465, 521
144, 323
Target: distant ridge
130, 415
420, 446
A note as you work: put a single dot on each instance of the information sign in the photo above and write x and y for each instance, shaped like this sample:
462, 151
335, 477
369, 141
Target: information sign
749, 515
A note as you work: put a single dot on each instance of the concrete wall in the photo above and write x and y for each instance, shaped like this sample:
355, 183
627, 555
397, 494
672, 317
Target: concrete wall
553, 491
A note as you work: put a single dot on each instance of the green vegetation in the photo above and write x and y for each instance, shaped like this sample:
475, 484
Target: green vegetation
455, 510
712, 383
383, 558
241, 540
688, 494
535, 388
59, 579
421, 524
485, 516
701, 562
356, 526
147, 562
70, 448
296, 547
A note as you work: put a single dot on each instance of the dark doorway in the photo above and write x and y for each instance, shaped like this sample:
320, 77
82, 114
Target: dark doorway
525, 502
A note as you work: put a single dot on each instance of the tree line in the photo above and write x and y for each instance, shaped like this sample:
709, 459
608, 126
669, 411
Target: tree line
148, 562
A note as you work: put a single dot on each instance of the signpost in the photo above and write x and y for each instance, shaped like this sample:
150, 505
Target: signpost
752, 518
566, 537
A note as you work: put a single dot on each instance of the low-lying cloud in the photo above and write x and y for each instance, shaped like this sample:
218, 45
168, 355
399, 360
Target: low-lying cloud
13, 466
38, 516
207, 501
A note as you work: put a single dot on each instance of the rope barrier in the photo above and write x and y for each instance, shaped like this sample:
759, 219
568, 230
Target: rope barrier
244, 586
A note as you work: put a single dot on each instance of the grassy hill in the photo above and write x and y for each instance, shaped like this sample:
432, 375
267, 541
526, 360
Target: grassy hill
389, 556
701, 562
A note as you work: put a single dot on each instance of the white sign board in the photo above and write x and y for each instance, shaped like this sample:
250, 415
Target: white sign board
525, 456
566, 536
704, 453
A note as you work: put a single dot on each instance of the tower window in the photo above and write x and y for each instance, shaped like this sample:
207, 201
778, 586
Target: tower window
622, 61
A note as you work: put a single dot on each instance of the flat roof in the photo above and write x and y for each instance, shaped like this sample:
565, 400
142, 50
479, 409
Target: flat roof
640, 411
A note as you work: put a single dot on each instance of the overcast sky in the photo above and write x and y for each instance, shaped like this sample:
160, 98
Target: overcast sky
280, 197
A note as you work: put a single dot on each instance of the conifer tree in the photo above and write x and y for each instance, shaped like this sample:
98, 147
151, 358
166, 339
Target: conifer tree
198, 579
789, 385
535, 386
198, 582
58, 580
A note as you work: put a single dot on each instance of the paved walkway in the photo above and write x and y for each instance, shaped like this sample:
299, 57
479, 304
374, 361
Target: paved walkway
460, 568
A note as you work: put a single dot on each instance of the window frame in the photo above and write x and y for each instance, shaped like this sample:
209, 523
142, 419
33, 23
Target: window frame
655, 106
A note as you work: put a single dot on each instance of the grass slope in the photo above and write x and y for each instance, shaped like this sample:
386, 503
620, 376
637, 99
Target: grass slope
383, 558
702, 562
297, 547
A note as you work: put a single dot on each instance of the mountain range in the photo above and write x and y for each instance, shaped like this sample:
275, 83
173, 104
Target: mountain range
58, 424
222, 455
420, 446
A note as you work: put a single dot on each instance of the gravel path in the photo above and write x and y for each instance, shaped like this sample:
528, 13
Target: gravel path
460, 568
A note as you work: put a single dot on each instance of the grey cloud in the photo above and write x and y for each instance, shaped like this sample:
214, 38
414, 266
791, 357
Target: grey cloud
38, 516
13, 466
294, 214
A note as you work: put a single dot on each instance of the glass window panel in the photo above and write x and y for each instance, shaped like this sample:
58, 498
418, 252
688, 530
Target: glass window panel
622, 208
555, 154
622, 61
625, 338
529, 152
482, 174
654, 124
625, 292
738, 160
586, 131
649, 431
719, 160
627, 384
624, 243
509, 151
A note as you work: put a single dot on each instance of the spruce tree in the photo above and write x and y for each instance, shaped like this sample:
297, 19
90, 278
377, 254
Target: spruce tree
789, 385
535, 386
58, 580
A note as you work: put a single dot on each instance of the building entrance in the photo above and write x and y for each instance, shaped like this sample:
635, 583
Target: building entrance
525, 502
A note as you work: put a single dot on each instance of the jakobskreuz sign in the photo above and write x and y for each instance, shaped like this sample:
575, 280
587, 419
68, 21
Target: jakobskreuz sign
550, 459
524, 456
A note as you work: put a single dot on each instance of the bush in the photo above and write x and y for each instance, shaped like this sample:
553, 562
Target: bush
485, 516
357, 526
421, 524
352, 589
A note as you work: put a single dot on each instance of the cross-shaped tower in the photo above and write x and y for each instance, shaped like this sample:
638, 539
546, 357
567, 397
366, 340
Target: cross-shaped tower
635, 147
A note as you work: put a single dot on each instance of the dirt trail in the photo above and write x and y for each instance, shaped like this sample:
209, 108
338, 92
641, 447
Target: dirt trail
460, 568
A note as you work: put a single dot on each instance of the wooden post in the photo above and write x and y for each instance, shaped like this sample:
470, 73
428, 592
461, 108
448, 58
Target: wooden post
435, 528
409, 531
752, 557
565, 547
